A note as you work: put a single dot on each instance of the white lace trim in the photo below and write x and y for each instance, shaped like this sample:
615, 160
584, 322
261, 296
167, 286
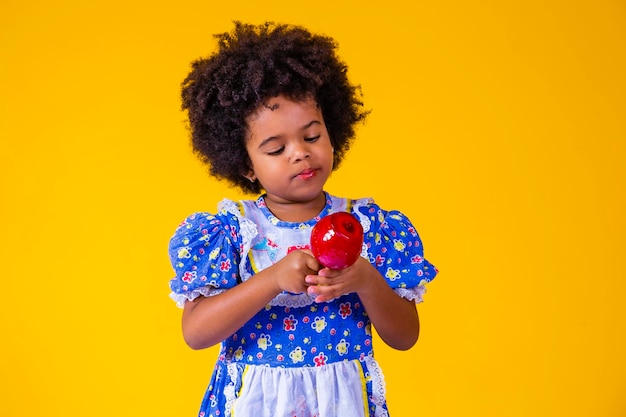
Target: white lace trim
414, 294
289, 300
302, 300
365, 221
206, 291
229, 390
379, 389
247, 229
292, 300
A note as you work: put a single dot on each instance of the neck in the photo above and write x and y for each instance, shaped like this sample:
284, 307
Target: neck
296, 211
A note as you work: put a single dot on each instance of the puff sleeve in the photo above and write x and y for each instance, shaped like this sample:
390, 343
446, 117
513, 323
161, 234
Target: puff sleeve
205, 253
393, 246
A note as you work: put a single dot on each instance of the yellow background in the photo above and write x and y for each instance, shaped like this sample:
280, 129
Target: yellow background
498, 127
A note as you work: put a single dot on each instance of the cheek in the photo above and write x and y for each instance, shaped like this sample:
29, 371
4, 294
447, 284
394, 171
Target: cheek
266, 169
330, 155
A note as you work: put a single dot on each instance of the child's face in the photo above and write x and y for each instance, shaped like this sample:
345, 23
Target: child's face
290, 151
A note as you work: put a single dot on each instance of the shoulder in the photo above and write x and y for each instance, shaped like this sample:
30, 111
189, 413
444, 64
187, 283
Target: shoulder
349, 204
206, 250
373, 215
205, 226
228, 213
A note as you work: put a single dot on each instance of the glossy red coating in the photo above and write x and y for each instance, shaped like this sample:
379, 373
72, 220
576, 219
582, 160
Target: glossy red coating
336, 240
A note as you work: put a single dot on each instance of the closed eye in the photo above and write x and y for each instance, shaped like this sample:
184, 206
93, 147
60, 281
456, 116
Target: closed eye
312, 139
277, 151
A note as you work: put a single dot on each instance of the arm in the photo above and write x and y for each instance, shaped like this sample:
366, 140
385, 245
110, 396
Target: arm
394, 318
209, 320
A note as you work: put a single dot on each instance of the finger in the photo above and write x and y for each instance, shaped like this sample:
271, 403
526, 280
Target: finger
313, 264
325, 292
314, 290
328, 273
319, 280
320, 298
312, 279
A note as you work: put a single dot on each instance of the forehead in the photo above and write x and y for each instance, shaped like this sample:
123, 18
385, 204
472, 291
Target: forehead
281, 117
282, 107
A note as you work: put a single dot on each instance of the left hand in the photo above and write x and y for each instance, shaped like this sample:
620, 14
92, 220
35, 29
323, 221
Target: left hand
332, 283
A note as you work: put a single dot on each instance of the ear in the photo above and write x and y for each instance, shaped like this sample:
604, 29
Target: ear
249, 175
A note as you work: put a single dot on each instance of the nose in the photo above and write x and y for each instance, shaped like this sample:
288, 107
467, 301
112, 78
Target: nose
300, 152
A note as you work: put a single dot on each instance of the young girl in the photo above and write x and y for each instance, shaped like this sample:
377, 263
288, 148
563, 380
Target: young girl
273, 113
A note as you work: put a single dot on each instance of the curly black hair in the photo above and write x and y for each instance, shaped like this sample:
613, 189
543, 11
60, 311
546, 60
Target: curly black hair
251, 65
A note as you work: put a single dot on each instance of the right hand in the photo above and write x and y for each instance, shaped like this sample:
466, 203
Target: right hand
289, 272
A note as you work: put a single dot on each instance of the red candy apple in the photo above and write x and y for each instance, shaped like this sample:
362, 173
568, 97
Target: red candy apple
336, 240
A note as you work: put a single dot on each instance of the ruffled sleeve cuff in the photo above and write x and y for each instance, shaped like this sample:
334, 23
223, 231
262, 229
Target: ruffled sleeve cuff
394, 247
415, 294
205, 252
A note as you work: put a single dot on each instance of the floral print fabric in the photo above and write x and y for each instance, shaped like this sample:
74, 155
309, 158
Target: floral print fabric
211, 253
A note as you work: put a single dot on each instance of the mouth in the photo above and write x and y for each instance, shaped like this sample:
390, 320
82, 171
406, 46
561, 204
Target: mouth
307, 174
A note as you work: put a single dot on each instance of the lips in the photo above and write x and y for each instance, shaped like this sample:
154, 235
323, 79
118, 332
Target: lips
307, 173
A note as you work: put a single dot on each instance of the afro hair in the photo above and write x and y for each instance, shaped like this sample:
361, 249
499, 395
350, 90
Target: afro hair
255, 63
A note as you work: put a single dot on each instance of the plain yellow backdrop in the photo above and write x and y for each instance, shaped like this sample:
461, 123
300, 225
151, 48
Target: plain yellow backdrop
498, 127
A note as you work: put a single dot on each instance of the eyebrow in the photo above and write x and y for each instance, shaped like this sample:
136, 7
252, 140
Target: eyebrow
271, 138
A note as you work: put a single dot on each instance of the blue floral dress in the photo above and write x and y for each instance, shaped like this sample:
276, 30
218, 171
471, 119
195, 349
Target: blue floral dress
295, 357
